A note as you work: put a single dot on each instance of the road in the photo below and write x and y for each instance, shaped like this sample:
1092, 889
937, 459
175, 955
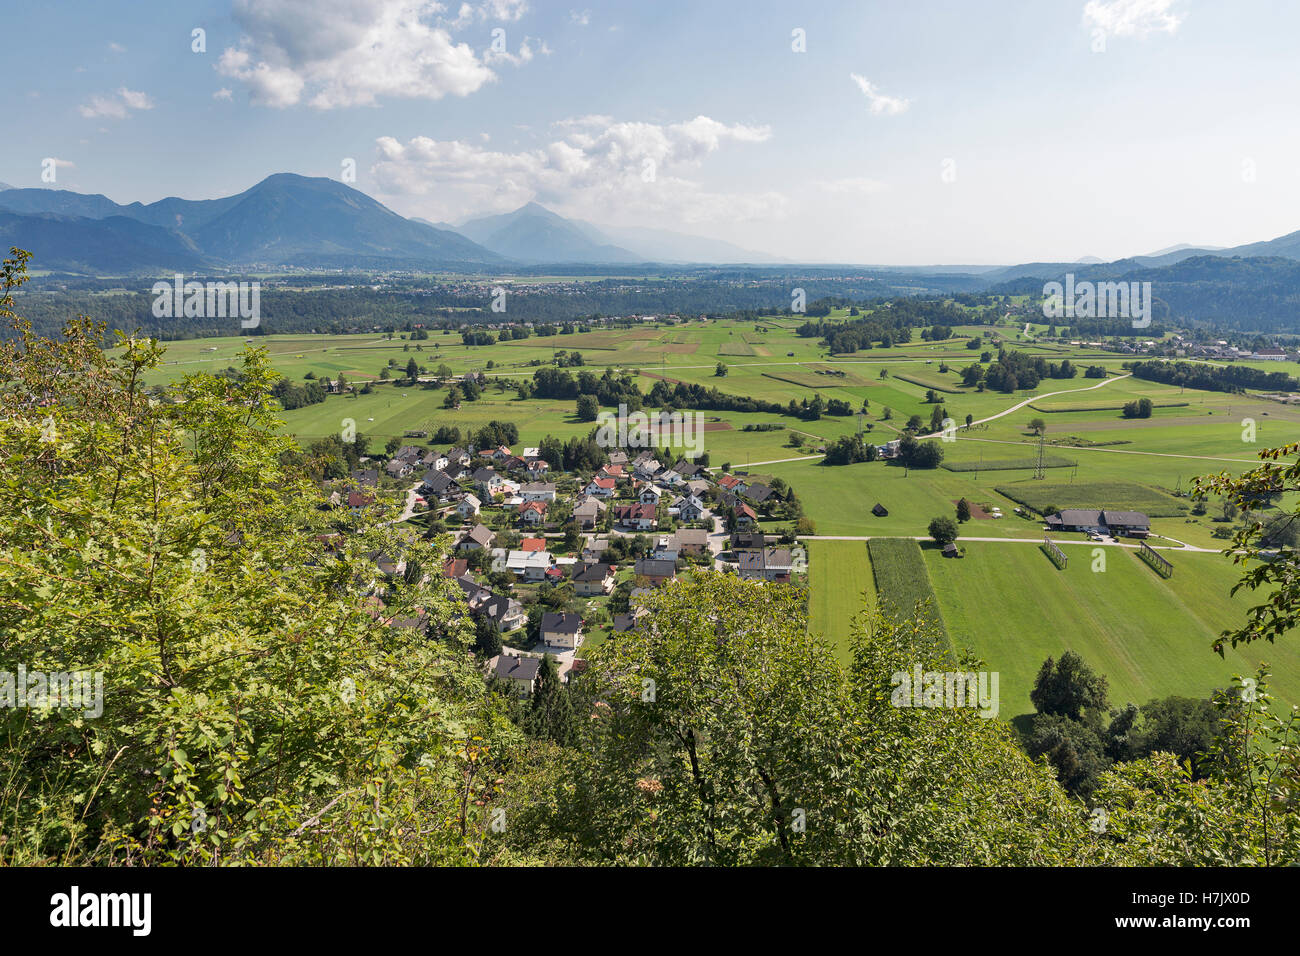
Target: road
1177, 546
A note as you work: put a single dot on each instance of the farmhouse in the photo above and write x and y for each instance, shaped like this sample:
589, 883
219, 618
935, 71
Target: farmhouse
1133, 523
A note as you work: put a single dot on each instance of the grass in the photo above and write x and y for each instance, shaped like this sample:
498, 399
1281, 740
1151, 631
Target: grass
929, 381
1049, 461
1149, 636
839, 576
1117, 495
901, 578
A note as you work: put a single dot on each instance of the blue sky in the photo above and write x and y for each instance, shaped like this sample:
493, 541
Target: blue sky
907, 131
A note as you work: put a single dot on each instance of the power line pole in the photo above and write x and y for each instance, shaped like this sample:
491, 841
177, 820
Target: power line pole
1038, 465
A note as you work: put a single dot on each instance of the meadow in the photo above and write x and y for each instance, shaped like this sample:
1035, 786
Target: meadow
1004, 600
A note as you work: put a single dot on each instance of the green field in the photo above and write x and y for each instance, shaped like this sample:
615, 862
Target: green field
1004, 600
898, 568
1118, 495
839, 577
1150, 636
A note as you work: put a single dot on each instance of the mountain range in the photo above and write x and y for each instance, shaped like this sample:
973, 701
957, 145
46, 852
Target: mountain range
294, 220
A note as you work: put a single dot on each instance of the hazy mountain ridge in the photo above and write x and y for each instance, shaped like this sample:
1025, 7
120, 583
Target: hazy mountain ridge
285, 219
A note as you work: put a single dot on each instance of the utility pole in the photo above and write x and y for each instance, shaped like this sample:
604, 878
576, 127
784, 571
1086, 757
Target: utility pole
1038, 465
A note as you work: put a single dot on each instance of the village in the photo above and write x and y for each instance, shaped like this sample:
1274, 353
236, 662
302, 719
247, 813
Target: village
552, 561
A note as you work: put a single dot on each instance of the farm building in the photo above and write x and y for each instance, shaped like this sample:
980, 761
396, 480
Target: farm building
1133, 523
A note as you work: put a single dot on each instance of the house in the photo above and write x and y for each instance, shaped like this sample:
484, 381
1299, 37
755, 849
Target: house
767, 564
458, 456
387, 563
519, 672
880, 511
600, 488
455, 568
889, 449
692, 540
409, 453
950, 551
611, 471
532, 512
646, 470
698, 487
529, 565
650, 495
438, 484
591, 580
489, 482
587, 513
687, 468
357, 500
1270, 355
748, 541
538, 491
562, 630
745, 516
501, 453
505, 613
640, 516
618, 457
760, 494
665, 548
435, 461
398, 468
366, 477
538, 466
479, 536
623, 623
1116, 523
595, 548
733, 484
468, 507
690, 508
656, 570
532, 544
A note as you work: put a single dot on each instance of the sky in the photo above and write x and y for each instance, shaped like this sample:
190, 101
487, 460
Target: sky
888, 132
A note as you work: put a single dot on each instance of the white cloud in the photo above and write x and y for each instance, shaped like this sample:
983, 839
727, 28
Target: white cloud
340, 53
580, 17
223, 94
1124, 18
116, 48
116, 105
878, 102
596, 168
135, 100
